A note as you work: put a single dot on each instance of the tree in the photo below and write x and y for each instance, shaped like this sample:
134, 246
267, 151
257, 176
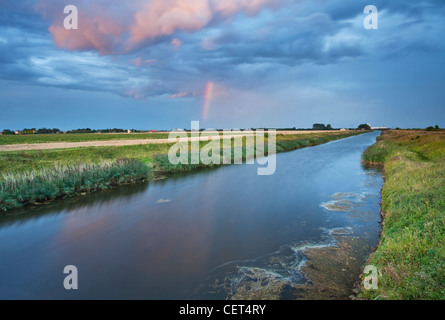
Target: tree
46, 131
431, 128
29, 131
319, 126
364, 127
7, 131
328, 127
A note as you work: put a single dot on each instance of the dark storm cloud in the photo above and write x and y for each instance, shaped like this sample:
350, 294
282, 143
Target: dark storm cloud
22, 15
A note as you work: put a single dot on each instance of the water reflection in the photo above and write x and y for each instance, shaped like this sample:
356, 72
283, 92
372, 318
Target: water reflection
176, 238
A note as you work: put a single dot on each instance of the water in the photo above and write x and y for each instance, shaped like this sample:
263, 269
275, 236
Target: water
182, 237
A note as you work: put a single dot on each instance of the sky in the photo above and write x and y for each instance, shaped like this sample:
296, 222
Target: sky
160, 64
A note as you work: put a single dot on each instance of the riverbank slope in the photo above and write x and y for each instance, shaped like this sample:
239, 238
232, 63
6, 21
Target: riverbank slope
411, 255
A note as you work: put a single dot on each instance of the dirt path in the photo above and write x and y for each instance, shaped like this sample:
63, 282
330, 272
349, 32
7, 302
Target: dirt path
86, 144
114, 143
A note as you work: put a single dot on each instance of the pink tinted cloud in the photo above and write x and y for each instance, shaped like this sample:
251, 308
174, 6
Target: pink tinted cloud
176, 43
208, 44
164, 17
134, 94
87, 38
113, 27
139, 62
229, 7
100, 26
180, 95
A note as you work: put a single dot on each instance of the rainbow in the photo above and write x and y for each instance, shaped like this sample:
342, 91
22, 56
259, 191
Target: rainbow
207, 99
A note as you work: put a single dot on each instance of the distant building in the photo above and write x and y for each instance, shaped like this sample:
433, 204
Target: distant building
128, 131
379, 128
343, 129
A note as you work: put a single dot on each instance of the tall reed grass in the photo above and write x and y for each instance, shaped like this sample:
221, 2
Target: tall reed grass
19, 189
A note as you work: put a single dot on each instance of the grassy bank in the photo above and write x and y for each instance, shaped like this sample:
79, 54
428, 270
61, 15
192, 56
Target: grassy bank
411, 254
28, 177
76, 137
17, 190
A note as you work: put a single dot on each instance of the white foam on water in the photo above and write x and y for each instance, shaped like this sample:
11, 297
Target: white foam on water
345, 201
163, 201
281, 266
298, 260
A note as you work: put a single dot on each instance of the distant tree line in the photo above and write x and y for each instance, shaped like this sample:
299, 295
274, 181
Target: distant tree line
55, 130
431, 128
321, 126
7, 131
88, 130
32, 131
46, 131
316, 126
114, 130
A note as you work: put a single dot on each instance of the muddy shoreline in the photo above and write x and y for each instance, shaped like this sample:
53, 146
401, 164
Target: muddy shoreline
330, 273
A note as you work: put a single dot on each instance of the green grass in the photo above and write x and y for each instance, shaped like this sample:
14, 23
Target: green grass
411, 253
41, 175
17, 190
80, 137
84, 137
76, 137
23, 161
